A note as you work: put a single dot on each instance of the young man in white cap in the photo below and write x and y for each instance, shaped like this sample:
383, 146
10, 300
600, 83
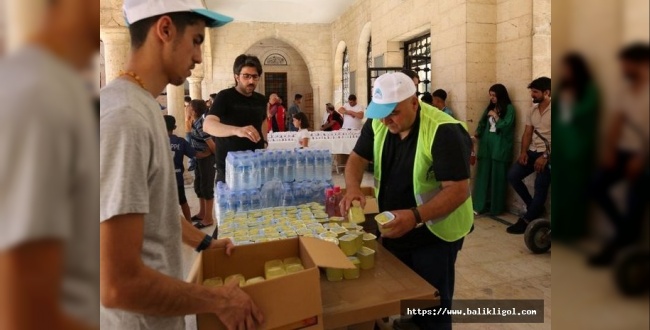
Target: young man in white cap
141, 283
433, 210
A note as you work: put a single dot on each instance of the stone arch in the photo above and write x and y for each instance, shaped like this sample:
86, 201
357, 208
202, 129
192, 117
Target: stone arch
362, 50
338, 76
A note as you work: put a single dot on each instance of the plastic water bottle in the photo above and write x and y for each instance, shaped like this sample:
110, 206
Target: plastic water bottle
255, 199
263, 166
306, 192
244, 201
318, 164
273, 166
287, 197
289, 166
255, 172
310, 173
300, 165
327, 168
232, 201
246, 174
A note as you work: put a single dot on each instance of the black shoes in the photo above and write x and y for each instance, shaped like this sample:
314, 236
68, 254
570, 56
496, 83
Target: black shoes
518, 228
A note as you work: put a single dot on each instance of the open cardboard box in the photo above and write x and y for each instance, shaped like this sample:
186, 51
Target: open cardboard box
289, 302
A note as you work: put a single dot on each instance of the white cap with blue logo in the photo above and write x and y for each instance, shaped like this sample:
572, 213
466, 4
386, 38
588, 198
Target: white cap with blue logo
136, 10
389, 90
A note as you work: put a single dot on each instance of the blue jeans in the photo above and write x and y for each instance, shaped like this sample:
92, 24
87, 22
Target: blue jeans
535, 203
436, 263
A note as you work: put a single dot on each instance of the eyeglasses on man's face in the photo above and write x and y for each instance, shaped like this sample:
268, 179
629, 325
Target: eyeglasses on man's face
247, 76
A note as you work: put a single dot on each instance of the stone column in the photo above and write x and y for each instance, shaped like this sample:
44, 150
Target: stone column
195, 87
116, 50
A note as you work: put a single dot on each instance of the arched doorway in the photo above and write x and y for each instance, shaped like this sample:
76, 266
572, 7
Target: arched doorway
285, 73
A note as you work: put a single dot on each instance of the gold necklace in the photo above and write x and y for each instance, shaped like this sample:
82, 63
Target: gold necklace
134, 76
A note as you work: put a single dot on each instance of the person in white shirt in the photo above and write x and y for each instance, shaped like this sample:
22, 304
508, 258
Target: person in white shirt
301, 122
352, 113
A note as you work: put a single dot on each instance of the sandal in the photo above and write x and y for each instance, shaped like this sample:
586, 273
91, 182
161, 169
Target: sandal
201, 225
196, 218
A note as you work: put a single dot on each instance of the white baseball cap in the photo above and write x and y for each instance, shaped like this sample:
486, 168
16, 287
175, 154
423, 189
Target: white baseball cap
136, 10
389, 90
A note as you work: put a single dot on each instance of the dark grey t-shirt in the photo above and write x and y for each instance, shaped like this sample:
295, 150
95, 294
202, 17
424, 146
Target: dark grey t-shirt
137, 176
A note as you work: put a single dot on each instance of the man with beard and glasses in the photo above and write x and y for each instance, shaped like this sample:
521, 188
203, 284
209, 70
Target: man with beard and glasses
237, 117
533, 156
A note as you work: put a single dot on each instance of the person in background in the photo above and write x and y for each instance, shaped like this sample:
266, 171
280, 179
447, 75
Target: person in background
440, 101
204, 172
293, 109
334, 120
427, 98
534, 156
300, 120
275, 114
495, 135
625, 156
576, 98
352, 113
180, 148
140, 236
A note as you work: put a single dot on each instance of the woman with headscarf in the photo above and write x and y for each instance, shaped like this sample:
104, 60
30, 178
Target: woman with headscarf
495, 135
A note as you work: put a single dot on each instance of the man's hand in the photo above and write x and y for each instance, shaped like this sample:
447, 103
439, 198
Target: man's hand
248, 132
540, 163
236, 310
493, 113
403, 223
352, 194
523, 158
222, 243
341, 110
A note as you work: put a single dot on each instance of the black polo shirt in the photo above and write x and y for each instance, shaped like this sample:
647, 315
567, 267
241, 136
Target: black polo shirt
451, 151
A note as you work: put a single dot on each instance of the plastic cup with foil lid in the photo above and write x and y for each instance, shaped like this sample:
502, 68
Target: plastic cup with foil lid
334, 274
370, 241
254, 280
348, 244
292, 261
355, 214
328, 234
349, 226
238, 278
338, 220
274, 272
213, 282
339, 231
351, 274
331, 239
294, 268
382, 219
366, 258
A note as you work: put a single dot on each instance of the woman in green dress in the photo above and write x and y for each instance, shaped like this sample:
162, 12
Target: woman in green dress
495, 135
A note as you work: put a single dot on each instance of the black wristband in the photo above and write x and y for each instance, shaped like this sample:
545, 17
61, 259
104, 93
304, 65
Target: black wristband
418, 218
204, 243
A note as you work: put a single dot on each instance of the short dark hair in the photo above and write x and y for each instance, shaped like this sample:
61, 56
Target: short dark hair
440, 93
199, 106
426, 98
542, 84
139, 30
247, 60
637, 53
304, 121
298, 97
412, 74
352, 97
213, 96
170, 122
187, 99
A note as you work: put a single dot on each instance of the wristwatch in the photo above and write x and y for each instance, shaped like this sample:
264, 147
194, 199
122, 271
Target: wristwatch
418, 218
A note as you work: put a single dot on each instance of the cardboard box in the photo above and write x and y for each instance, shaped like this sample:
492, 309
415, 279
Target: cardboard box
289, 302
